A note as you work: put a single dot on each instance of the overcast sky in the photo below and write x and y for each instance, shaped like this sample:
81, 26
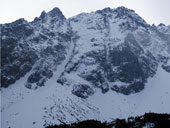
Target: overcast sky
153, 11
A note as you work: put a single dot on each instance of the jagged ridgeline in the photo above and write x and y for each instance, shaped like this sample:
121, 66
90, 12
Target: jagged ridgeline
111, 49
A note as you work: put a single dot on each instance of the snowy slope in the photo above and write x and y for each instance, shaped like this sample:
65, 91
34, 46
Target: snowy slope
154, 98
51, 104
56, 104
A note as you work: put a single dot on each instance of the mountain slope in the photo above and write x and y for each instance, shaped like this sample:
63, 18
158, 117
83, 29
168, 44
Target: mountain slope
100, 65
38, 108
40, 45
116, 50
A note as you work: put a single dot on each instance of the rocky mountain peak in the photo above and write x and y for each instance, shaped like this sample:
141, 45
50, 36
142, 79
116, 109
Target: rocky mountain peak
129, 20
55, 13
163, 28
52, 16
21, 21
18, 22
105, 11
124, 10
161, 24
43, 15
133, 20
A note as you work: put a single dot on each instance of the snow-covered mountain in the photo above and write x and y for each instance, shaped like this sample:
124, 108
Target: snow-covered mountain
100, 65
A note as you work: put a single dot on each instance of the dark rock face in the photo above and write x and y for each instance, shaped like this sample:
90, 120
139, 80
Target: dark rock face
39, 78
82, 90
18, 68
50, 58
164, 61
126, 64
123, 66
24, 48
132, 88
166, 68
134, 21
15, 64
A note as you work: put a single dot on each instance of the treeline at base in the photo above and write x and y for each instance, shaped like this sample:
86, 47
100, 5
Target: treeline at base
149, 120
